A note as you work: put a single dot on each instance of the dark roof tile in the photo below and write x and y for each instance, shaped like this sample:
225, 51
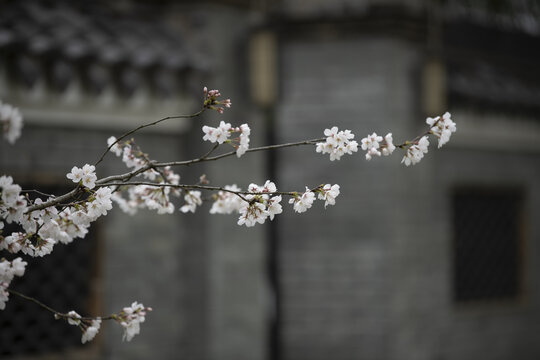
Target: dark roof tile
73, 30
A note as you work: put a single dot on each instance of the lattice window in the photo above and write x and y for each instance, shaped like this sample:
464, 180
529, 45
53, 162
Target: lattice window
62, 280
488, 244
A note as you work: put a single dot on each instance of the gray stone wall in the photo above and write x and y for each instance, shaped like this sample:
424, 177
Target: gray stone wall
337, 262
371, 277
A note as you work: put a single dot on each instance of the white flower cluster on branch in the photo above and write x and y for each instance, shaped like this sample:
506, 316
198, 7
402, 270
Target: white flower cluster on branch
129, 318
441, 127
222, 133
44, 222
338, 143
8, 270
89, 327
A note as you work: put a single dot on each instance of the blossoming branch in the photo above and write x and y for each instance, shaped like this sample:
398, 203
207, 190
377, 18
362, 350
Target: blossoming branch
149, 184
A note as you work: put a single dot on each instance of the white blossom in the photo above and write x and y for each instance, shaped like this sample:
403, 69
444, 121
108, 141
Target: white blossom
73, 318
416, 152
12, 203
131, 318
41, 248
129, 207
375, 145
303, 202
154, 198
13, 243
442, 127
100, 204
4, 296
371, 141
337, 143
8, 270
130, 159
91, 331
243, 145
227, 202
260, 205
85, 175
75, 175
388, 147
18, 266
329, 193
10, 194
14, 212
273, 206
192, 199
115, 149
219, 134
252, 212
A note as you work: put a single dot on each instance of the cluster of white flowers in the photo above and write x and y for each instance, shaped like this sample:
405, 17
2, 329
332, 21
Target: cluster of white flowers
222, 133
227, 202
262, 202
243, 139
442, 127
134, 158
44, 228
328, 193
374, 145
11, 122
217, 134
85, 175
337, 143
144, 196
211, 101
192, 199
12, 203
303, 202
130, 318
91, 330
8, 270
260, 205
89, 327
416, 151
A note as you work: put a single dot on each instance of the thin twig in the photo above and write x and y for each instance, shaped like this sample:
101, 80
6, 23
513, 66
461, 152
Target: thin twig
197, 187
37, 192
145, 126
206, 187
57, 200
210, 152
57, 313
230, 153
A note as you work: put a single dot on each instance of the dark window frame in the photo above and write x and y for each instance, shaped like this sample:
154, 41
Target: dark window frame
509, 290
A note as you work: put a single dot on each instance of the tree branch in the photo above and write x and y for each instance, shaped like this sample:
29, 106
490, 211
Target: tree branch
55, 312
145, 126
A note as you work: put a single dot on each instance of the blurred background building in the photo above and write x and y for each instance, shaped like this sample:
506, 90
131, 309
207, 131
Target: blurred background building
439, 261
